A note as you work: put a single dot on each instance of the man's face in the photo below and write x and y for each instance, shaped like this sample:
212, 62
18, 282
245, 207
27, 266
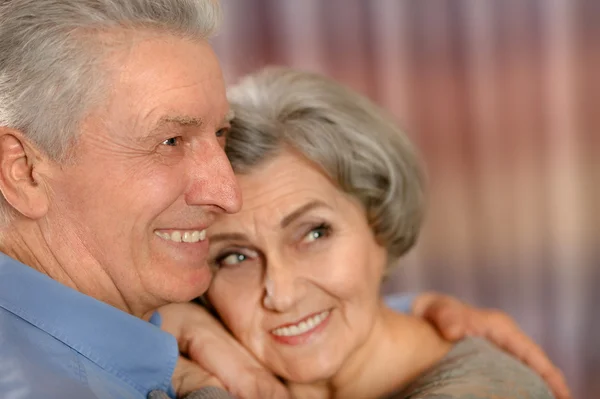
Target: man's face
149, 175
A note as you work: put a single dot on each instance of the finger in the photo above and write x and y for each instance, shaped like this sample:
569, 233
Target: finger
476, 324
558, 384
447, 315
533, 356
506, 334
189, 377
241, 374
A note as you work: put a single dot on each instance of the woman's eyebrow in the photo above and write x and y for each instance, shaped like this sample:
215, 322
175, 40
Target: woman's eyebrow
302, 210
284, 222
228, 237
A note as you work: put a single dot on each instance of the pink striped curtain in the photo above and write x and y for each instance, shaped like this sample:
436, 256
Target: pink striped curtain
501, 97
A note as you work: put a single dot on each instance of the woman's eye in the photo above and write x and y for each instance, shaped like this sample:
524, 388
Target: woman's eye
317, 233
172, 142
233, 259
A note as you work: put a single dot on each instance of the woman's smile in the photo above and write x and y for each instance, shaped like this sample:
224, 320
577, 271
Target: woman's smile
302, 331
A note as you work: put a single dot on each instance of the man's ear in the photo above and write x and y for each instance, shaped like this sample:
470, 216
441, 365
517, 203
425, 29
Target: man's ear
17, 178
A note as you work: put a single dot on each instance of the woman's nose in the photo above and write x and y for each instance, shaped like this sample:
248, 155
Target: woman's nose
283, 289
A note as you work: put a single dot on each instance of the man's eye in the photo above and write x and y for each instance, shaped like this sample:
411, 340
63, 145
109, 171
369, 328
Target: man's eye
172, 142
222, 132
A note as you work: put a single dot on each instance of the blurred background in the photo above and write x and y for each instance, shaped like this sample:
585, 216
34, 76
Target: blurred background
502, 98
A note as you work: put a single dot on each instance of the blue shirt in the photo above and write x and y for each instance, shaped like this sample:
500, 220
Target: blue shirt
400, 302
56, 342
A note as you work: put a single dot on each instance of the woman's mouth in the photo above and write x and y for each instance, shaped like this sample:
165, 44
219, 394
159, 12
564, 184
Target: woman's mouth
299, 332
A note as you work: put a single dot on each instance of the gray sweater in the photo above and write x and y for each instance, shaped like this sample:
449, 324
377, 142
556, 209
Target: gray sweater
475, 369
204, 393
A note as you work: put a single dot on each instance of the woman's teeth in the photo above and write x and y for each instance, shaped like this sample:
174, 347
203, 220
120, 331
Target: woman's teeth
302, 327
182, 236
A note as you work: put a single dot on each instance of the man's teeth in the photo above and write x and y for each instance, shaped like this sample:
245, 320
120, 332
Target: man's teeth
183, 236
301, 327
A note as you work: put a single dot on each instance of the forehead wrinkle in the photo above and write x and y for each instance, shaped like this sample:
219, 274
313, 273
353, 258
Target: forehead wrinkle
271, 211
282, 185
278, 188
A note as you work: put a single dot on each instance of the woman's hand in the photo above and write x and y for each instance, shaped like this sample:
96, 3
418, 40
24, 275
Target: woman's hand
455, 320
225, 362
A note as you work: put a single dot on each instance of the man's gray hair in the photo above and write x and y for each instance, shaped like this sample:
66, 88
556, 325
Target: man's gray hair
50, 56
355, 142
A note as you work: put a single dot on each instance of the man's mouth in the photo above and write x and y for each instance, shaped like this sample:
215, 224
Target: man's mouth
187, 236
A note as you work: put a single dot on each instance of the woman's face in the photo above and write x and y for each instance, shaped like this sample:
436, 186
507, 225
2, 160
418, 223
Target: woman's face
297, 271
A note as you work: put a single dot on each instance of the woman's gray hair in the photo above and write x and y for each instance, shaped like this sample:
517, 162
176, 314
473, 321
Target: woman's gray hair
355, 142
50, 56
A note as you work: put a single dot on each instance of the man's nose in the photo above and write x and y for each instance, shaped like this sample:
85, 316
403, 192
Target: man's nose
212, 179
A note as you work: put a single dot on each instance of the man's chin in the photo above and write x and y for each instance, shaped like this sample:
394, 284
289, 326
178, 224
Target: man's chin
188, 284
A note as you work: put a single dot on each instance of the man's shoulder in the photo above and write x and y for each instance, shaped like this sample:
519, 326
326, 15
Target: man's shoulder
33, 364
400, 302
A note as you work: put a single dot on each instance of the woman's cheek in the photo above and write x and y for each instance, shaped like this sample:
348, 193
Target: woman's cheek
340, 269
233, 309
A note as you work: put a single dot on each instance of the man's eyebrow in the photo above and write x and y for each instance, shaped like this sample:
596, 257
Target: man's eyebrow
300, 211
181, 120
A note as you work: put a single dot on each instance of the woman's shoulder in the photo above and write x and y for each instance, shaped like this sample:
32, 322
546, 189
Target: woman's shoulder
475, 369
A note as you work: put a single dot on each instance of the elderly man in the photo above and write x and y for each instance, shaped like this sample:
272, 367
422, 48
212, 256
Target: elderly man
113, 118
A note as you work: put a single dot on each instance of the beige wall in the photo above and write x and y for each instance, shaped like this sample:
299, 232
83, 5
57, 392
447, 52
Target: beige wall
502, 98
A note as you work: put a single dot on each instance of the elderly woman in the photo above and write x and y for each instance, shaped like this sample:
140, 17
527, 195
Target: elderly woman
333, 196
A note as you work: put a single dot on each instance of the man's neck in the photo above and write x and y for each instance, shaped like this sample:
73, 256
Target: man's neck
398, 349
64, 258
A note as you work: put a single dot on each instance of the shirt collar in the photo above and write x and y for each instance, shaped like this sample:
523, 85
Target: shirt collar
135, 351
